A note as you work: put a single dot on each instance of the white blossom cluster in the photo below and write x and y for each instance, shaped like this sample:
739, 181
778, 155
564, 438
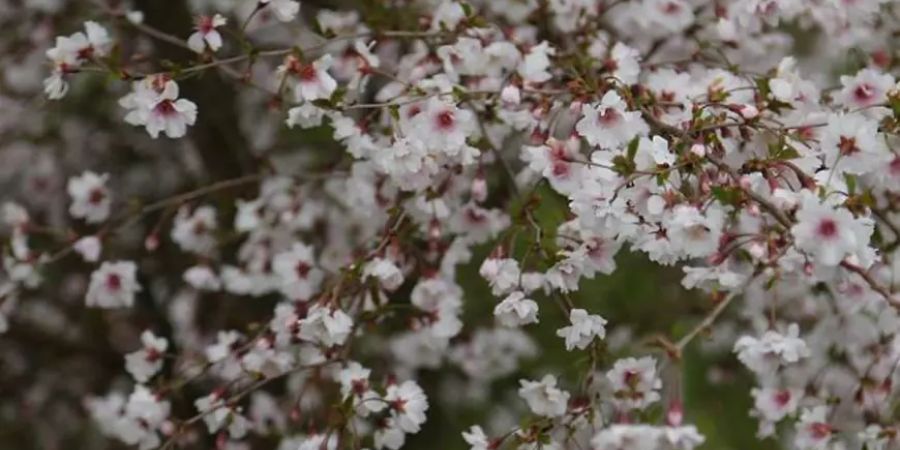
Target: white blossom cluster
341, 222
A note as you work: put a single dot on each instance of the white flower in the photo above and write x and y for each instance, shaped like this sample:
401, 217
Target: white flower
91, 199
146, 362
583, 330
285, 10
867, 88
684, 437
444, 127
851, 143
608, 124
694, 233
558, 161
226, 343
624, 63
447, 15
89, 247
113, 285
354, 381
634, 382
408, 404
766, 354
388, 435
265, 360
627, 436
813, 430
193, 232
316, 441
535, 66
516, 310
502, 274
829, 234
145, 413
306, 115
216, 415
543, 397
154, 104
325, 326
300, 278
476, 438
70, 52
877, 438
311, 80
202, 278
55, 86
771, 405
387, 273
652, 153
206, 35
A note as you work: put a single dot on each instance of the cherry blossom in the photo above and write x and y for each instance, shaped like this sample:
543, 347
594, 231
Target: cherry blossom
147, 361
206, 35
609, 124
91, 199
516, 310
154, 104
396, 213
285, 10
634, 382
583, 330
113, 285
543, 397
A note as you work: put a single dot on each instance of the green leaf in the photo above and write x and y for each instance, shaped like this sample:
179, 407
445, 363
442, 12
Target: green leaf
632, 148
851, 183
727, 195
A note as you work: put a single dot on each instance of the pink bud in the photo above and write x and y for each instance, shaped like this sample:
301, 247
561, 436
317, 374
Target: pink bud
698, 149
221, 441
479, 188
748, 111
675, 413
757, 250
511, 95
434, 230
151, 243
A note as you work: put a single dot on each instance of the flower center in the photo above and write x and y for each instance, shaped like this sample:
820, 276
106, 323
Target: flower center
827, 228
205, 24
847, 146
820, 430
113, 282
445, 120
86, 53
560, 168
671, 8
165, 108
895, 165
864, 92
302, 269
782, 398
96, 196
608, 117
307, 73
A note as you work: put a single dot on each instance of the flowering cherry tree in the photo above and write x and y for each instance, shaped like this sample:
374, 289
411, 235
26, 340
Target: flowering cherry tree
242, 224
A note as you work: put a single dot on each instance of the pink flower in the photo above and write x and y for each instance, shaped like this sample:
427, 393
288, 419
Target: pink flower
154, 104
311, 80
206, 35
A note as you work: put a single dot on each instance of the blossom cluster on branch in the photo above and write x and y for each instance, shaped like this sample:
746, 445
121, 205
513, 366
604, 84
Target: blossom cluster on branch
257, 228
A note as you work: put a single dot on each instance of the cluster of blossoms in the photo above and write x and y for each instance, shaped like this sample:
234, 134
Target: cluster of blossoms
381, 227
